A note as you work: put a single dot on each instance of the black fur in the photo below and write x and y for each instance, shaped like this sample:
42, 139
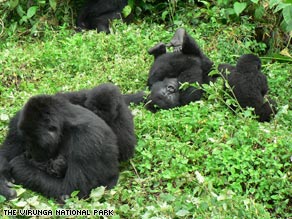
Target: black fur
249, 85
187, 64
79, 145
56, 167
97, 14
108, 103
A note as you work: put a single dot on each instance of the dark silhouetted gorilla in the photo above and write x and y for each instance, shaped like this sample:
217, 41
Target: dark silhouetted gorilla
187, 64
108, 103
97, 14
77, 150
249, 85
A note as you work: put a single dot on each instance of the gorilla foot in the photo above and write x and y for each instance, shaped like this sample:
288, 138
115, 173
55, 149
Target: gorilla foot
157, 50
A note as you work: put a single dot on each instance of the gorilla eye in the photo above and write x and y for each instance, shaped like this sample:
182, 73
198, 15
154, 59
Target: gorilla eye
170, 88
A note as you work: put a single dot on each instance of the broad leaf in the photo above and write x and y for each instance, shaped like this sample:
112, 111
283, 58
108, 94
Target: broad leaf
239, 7
53, 4
31, 11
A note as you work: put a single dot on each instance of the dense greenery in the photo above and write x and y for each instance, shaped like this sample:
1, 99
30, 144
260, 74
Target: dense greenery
273, 18
200, 161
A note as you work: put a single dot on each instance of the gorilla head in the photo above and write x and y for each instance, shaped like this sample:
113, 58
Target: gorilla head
41, 126
164, 94
248, 63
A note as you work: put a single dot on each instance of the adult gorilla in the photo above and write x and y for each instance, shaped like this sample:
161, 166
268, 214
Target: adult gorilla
108, 103
97, 14
187, 64
249, 85
79, 145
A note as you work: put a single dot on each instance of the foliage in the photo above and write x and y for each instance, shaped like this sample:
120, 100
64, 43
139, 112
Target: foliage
34, 16
273, 18
200, 160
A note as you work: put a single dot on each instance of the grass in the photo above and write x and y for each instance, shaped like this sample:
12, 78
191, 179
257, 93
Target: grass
200, 160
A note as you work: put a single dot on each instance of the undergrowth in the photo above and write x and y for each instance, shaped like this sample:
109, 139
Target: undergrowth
200, 161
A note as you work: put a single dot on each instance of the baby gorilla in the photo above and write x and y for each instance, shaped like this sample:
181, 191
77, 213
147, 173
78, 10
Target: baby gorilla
55, 167
249, 85
186, 65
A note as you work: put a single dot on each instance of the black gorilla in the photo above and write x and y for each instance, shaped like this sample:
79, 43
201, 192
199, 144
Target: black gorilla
249, 85
187, 64
97, 14
108, 103
77, 150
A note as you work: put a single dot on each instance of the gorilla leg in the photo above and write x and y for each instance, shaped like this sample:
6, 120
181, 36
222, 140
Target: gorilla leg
266, 111
157, 50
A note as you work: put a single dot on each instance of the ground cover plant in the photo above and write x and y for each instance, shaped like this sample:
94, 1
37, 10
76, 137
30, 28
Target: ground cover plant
201, 160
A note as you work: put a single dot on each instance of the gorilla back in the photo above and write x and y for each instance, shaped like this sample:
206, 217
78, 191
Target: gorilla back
49, 127
109, 104
249, 85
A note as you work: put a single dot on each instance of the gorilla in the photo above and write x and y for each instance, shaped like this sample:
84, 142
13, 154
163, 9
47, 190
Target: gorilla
107, 102
97, 14
56, 167
249, 85
186, 65
75, 148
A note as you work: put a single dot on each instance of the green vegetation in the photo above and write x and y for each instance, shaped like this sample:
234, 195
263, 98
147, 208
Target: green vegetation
200, 160
273, 18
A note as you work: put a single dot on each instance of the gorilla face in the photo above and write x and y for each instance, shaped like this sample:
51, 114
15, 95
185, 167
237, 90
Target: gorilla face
164, 94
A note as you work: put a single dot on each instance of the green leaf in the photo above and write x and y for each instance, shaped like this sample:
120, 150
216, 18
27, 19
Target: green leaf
259, 12
287, 14
164, 14
53, 4
255, 1
13, 4
20, 11
127, 11
31, 11
182, 213
239, 7
97, 193
74, 194
4, 117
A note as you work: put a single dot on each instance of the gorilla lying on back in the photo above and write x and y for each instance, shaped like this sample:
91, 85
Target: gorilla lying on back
97, 14
107, 102
249, 85
75, 148
187, 64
